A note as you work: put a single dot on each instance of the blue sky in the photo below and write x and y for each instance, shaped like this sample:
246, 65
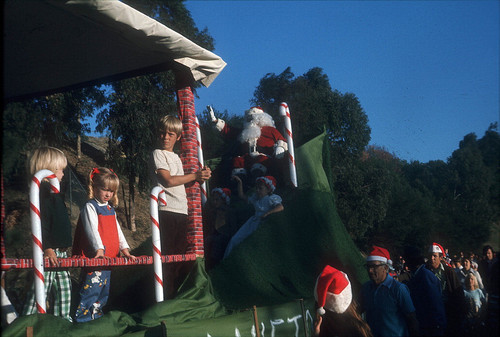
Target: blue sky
426, 72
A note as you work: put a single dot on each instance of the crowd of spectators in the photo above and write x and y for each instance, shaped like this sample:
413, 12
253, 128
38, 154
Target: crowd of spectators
468, 288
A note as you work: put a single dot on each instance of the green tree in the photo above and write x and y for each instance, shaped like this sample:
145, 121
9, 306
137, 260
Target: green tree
472, 214
314, 108
138, 103
48, 120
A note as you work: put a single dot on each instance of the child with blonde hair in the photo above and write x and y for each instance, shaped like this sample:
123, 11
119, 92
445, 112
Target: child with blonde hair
98, 235
56, 233
168, 173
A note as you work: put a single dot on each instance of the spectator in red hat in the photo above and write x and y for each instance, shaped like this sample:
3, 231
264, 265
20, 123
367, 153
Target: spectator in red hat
425, 291
386, 302
452, 292
336, 314
265, 203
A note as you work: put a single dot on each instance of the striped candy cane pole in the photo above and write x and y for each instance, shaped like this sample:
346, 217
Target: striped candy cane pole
157, 195
203, 187
36, 232
285, 112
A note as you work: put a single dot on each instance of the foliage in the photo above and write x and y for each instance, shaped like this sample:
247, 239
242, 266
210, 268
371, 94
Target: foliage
137, 104
380, 198
48, 120
314, 106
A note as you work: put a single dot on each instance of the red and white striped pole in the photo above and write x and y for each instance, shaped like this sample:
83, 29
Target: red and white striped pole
157, 195
285, 112
36, 233
203, 186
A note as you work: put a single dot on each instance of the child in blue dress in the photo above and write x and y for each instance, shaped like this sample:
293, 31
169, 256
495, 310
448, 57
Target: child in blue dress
264, 202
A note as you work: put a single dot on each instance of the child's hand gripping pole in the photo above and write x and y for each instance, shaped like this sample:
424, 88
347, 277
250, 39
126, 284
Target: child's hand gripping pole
157, 195
36, 232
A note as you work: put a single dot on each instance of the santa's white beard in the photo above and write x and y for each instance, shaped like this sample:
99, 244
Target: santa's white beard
250, 133
251, 130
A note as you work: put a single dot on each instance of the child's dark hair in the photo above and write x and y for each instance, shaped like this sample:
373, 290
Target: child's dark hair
104, 178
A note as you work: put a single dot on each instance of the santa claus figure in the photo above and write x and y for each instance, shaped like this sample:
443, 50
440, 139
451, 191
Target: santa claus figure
261, 141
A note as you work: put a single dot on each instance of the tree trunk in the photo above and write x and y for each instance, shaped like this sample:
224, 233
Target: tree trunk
125, 208
79, 143
132, 202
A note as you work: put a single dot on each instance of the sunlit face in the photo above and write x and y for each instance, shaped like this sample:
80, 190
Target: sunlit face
168, 139
59, 174
435, 260
467, 264
377, 271
103, 194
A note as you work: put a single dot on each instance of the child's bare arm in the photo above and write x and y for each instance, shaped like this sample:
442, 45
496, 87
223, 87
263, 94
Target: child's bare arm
240, 187
127, 254
276, 209
168, 180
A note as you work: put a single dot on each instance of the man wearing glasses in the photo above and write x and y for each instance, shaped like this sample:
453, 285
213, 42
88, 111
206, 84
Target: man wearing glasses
386, 302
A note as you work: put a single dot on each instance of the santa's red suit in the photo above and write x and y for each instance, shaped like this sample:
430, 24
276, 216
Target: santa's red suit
260, 139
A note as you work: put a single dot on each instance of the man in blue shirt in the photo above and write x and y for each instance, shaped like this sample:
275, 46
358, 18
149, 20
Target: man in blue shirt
386, 302
425, 290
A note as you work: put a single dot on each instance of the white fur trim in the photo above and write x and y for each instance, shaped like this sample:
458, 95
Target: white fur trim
376, 258
238, 170
258, 166
339, 303
321, 311
282, 144
219, 125
254, 110
268, 183
222, 194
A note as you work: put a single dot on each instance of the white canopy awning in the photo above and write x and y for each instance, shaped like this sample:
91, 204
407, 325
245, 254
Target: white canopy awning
52, 45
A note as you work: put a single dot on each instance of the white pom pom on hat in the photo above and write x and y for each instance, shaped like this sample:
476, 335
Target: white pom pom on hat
332, 291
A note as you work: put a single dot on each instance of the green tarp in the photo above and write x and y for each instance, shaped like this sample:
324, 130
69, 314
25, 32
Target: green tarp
272, 269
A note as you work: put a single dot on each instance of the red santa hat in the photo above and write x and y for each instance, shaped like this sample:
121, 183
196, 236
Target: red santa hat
437, 248
332, 291
379, 254
238, 166
270, 182
254, 110
225, 193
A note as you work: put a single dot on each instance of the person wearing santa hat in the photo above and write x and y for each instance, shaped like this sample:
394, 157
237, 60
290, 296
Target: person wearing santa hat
262, 142
452, 292
265, 203
386, 302
336, 314
425, 291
